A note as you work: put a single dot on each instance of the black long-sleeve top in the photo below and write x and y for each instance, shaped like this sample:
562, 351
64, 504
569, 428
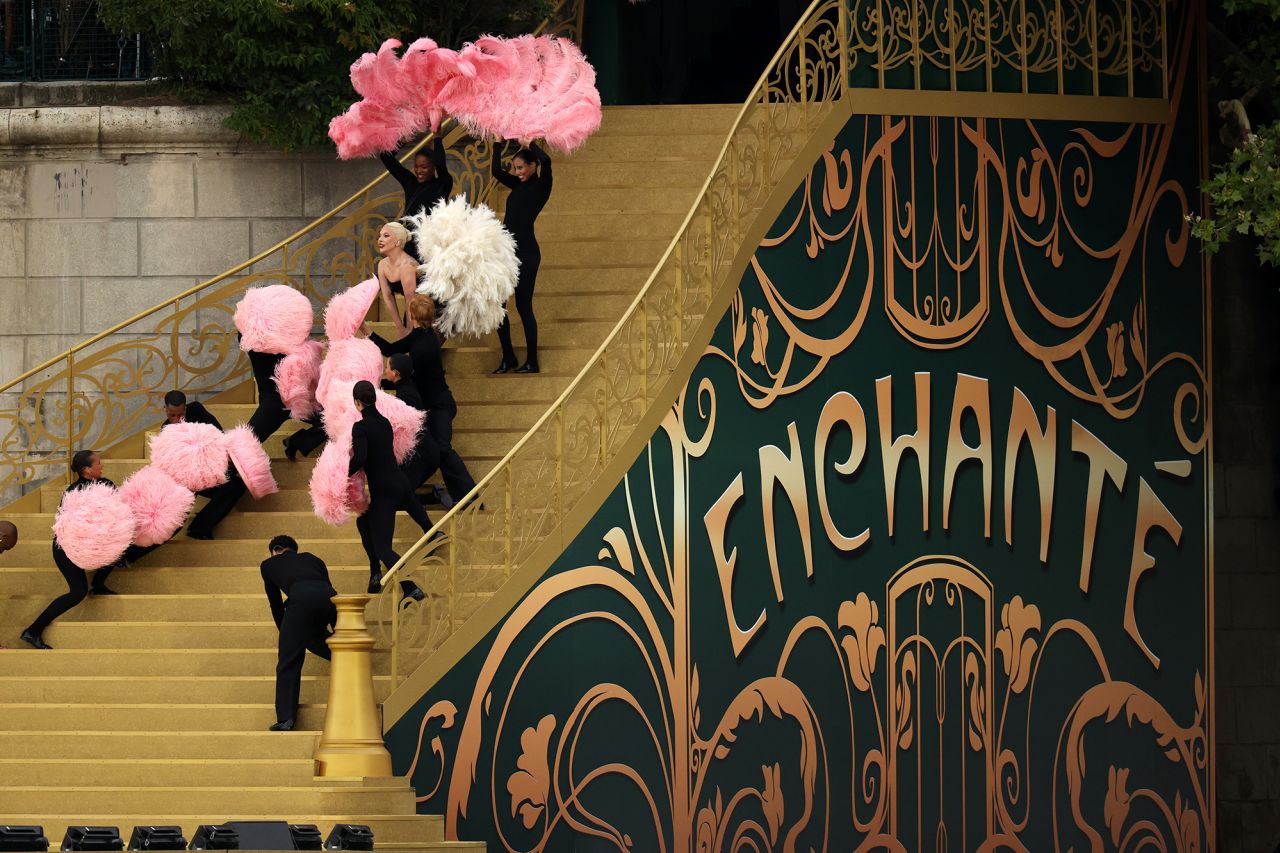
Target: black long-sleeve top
371, 452
527, 198
281, 571
197, 414
426, 353
419, 195
407, 393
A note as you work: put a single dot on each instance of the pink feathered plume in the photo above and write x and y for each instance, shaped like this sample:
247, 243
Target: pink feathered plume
346, 311
406, 422
526, 87
331, 491
273, 319
296, 378
251, 461
347, 362
192, 454
94, 526
158, 503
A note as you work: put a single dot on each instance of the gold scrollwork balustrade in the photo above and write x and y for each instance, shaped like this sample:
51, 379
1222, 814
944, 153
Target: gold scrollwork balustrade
521, 502
107, 388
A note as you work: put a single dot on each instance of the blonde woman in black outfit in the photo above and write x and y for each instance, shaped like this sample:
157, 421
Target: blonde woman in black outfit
530, 183
397, 272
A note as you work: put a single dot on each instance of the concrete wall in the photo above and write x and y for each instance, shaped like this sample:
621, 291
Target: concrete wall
1246, 372
105, 211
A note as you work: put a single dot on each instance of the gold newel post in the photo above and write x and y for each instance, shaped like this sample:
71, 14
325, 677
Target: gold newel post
352, 741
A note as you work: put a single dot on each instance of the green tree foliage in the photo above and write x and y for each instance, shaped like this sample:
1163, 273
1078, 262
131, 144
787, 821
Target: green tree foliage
1244, 190
282, 64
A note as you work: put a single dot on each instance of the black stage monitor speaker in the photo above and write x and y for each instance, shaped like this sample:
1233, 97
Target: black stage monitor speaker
350, 836
157, 838
306, 836
263, 834
22, 838
211, 837
93, 838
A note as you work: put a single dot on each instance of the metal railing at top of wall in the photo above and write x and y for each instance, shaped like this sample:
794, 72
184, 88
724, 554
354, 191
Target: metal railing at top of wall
825, 63
106, 388
46, 40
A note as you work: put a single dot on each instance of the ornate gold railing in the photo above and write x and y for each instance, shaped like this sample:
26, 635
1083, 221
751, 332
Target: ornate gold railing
1023, 58
521, 502
107, 388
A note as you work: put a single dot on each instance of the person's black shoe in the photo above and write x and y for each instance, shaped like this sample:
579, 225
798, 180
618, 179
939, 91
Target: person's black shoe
290, 452
411, 590
375, 583
528, 367
34, 640
443, 497
101, 589
283, 726
505, 367
199, 534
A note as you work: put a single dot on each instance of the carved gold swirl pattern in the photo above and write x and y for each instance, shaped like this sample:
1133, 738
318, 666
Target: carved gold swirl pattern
519, 504
1019, 46
935, 249
934, 635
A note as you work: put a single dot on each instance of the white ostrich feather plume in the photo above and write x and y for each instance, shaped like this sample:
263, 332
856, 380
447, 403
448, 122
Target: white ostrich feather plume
469, 263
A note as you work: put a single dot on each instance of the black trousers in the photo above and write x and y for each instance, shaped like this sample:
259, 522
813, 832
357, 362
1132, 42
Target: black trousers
308, 613
457, 479
530, 256
268, 417
222, 499
378, 525
425, 459
78, 583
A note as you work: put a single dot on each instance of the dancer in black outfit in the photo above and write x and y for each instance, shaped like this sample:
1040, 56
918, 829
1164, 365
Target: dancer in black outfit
389, 489
270, 415
177, 410
426, 453
88, 468
530, 185
424, 348
303, 620
429, 181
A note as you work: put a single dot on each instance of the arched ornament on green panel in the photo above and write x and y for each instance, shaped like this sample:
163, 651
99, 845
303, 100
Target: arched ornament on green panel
919, 558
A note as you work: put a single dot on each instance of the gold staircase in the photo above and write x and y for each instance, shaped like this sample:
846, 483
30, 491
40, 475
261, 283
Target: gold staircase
154, 705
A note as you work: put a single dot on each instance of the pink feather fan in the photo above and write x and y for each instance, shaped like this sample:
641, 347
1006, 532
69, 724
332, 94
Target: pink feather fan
548, 90
526, 87
158, 503
296, 377
93, 526
332, 492
347, 362
251, 461
192, 454
346, 312
274, 319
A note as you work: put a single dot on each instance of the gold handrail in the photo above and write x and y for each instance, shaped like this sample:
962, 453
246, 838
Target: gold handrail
825, 62
597, 410
101, 389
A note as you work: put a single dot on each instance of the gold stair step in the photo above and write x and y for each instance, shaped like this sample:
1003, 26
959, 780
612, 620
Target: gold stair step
126, 663
157, 772
611, 226
652, 149
91, 689
676, 119
43, 581
391, 799
219, 552
587, 174
164, 717
94, 744
411, 829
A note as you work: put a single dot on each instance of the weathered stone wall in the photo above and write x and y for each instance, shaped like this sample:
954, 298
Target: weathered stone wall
107, 210
1246, 372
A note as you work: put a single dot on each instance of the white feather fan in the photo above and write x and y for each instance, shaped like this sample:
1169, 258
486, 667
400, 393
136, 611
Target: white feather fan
469, 262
